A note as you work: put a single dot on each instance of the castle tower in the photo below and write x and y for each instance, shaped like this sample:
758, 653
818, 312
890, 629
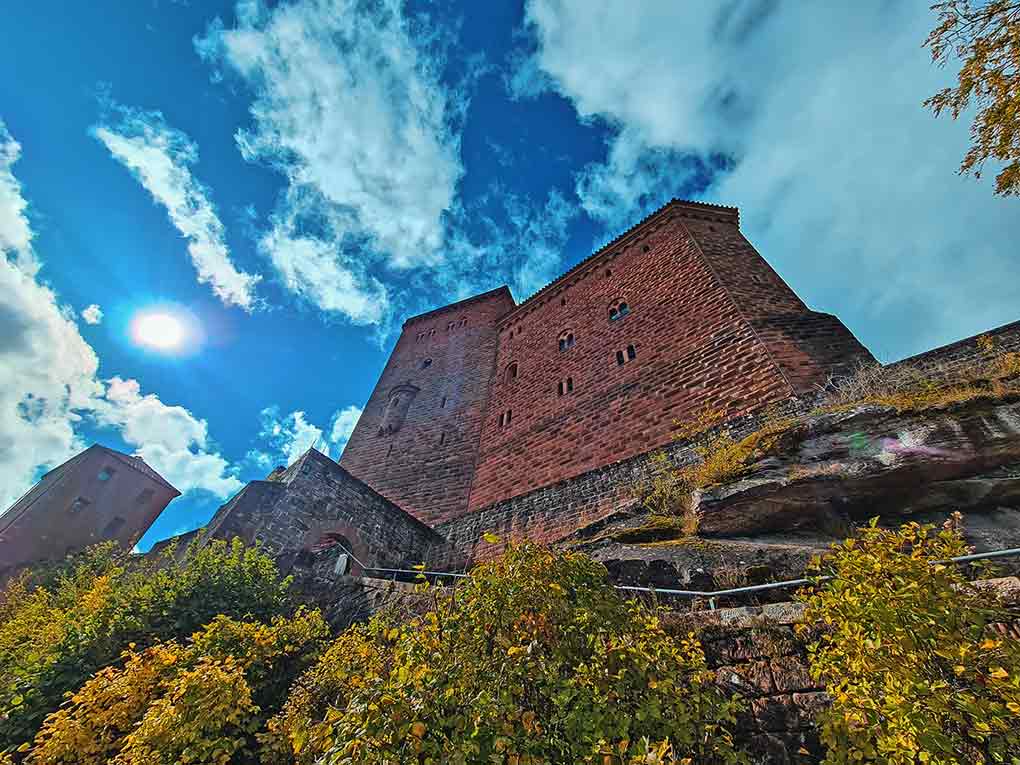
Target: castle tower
485, 400
417, 440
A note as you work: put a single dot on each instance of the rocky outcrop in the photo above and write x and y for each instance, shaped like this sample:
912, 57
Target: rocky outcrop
831, 471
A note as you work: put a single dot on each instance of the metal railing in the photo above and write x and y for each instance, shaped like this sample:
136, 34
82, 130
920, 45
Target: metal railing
710, 594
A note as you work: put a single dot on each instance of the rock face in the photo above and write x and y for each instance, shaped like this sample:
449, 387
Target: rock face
830, 472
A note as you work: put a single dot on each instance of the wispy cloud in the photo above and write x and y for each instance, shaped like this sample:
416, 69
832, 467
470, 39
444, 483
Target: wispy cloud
845, 183
348, 109
49, 386
160, 156
92, 314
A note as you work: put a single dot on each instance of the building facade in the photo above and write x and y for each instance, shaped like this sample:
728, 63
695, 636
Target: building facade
484, 400
98, 495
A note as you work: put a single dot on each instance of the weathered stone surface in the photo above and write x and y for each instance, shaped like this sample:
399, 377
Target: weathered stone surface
791, 674
776, 713
754, 677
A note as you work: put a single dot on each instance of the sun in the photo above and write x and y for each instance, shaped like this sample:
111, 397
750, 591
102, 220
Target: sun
159, 330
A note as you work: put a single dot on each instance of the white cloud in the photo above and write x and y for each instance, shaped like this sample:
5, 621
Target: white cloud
15, 232
159, 157
352, 113
49, 385
844, 181
289, 437
92, 314
343, 425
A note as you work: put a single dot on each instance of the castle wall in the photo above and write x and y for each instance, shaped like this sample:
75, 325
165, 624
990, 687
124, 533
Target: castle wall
417, 441
693, 304
962, 353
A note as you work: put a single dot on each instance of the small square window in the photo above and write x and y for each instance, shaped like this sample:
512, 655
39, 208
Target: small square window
106, 474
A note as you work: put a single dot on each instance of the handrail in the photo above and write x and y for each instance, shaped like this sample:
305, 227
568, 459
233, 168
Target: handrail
710, 594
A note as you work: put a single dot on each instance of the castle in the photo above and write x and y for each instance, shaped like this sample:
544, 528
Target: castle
525, 419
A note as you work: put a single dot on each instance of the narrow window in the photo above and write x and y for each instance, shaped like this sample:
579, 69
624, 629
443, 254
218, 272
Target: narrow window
113, 527
443, 404
106, 474
463, 322
426, 363
511, 372
145, 497
619, 358
561, 388
646, 248
563, 301
389, 451
442, 438
609, 272
570, 385
631, 353
502, 419
509, 414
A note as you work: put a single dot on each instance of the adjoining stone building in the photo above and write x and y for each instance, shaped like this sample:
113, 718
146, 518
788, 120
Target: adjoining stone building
98, 495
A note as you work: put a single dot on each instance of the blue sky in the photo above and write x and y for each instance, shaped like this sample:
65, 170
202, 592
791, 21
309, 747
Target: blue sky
290, 180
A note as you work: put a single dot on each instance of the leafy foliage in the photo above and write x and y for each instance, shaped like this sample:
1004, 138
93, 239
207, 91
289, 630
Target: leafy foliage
175, 704
985, 36
906, 653
534, 659
60, 628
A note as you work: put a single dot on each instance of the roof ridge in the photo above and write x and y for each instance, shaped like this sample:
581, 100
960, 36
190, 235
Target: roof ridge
460, 303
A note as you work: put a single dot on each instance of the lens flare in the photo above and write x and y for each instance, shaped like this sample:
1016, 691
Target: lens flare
159, 330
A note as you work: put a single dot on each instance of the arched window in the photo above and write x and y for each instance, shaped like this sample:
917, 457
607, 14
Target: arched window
511, 372
566, 340
618, 310
426, 363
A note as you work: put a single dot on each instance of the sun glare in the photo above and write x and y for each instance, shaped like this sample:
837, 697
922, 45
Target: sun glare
158, 330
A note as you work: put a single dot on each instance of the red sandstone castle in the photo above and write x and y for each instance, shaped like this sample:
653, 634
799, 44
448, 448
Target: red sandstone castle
485, 399
527, 420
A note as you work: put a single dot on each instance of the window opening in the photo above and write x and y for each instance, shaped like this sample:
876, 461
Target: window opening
79, 504
442, 438
113, 527
566, 341
619, 358
106, 474
145, 496
631, 353
511, 372
426, 363
618, 310
442, 405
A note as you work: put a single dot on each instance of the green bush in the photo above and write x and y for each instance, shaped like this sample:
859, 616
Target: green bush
60, 627
906, 653
534, 659
172, 703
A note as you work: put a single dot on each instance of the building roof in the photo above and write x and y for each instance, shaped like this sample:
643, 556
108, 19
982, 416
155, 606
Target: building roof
136, 462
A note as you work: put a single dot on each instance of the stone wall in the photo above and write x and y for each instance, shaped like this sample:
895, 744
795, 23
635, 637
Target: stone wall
1005, 339
755, 653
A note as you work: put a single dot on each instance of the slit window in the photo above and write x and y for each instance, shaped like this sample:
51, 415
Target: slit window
442, 438
511, 372
566, 386
442, 404
619, 358
504, 418
631, 353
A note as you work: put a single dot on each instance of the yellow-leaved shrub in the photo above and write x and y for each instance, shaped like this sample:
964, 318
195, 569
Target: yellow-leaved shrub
906, 652
174, 703
533, 659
